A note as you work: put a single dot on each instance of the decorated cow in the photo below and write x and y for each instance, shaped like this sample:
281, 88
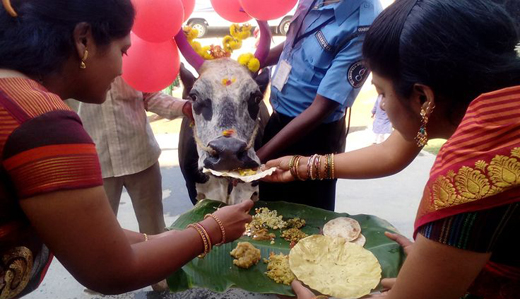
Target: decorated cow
228, 120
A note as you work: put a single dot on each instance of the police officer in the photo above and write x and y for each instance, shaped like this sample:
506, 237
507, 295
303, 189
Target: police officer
318, 75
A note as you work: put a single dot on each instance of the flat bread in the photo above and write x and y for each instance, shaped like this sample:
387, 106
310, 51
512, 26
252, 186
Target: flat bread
335, 267
343, 227
236, 174
361, 240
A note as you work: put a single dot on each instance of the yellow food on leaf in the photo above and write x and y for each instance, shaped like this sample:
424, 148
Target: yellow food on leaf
246, 255
278, 269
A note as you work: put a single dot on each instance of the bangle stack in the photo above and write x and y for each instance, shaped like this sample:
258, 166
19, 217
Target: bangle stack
293, 167
222, 230
314, 169
204, 236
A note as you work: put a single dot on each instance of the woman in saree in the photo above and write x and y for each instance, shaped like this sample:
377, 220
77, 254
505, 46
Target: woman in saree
52, 200
446, 69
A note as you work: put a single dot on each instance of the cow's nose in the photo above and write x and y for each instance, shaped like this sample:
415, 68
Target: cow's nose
230, 154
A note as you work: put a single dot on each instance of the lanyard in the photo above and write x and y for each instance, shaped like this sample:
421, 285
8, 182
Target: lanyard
300, 36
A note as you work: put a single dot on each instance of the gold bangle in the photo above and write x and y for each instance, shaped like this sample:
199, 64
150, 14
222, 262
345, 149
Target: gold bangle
203, 237
333, 172
321, 297
326, 169
297, 166
222, 230
329, 162
291, 166
145, 237
205, 232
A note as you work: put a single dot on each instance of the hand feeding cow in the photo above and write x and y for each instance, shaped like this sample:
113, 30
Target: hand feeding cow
228, 116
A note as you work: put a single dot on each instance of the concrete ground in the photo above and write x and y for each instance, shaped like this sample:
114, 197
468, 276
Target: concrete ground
393, 198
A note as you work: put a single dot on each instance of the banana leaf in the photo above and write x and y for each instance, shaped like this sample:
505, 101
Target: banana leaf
217, 272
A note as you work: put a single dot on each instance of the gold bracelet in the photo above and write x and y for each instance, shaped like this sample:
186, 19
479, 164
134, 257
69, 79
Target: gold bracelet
329, 161
327, 167
292, 169
201, 234
145, 237
333, 172
297, 166
321, 297
205, 232
222, 230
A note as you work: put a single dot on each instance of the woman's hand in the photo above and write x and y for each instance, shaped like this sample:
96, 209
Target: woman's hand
282, 174
300, 290
401, 240
233, 218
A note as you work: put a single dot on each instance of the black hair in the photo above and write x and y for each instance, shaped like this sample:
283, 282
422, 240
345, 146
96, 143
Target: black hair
40, 39
460, 48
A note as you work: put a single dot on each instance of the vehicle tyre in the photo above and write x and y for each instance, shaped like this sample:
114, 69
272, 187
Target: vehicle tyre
200, 25
284, 26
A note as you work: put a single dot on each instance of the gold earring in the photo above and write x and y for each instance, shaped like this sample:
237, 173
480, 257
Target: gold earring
9, 8
85, 56
422, 136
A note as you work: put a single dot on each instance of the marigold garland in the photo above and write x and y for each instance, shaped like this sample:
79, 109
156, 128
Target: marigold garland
229, 44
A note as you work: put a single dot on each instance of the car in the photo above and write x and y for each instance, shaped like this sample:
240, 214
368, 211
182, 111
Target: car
204, 18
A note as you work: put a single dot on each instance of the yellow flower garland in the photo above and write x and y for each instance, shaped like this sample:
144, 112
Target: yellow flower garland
229, 44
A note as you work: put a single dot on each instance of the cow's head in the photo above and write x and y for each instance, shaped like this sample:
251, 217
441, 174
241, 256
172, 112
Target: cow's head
225, 100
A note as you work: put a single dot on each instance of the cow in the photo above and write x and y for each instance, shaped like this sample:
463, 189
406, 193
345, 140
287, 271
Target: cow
228, 120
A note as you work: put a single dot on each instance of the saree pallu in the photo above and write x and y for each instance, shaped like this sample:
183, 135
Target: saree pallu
478, 169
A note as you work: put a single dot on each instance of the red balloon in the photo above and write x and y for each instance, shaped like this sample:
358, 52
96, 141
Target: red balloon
230, 10
189, 6
267, 9
159, 20
151, 67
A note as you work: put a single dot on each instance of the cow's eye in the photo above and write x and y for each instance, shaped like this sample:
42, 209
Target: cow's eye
257, 97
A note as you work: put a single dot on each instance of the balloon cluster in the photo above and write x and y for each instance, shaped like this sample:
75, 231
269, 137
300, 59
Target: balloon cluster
153, 62
240, 11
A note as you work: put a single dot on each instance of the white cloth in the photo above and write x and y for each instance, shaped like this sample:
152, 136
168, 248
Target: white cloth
120, 129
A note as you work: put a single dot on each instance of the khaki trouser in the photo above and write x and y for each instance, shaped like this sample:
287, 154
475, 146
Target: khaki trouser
145, 190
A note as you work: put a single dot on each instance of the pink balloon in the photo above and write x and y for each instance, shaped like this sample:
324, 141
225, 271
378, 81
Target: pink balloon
267, 9
231, 10
158, 20
189, 6
151, 67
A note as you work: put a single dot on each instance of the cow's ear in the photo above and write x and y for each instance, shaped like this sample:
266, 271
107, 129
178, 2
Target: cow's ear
187, 79
262, 79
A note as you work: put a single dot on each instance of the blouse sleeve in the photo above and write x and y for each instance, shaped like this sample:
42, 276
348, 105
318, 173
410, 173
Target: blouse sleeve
475, 231
51, 152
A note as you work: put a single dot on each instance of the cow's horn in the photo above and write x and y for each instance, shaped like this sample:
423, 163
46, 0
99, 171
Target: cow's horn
265, 42
187, 51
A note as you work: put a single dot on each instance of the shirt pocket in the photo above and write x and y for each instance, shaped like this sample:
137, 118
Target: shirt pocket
318, 52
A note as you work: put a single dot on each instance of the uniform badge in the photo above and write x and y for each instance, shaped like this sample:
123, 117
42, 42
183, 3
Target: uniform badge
357, 74
323, 41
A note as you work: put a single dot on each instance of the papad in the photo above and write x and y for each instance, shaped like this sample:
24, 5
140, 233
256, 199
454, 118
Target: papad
344, 227
236, 174
335, 267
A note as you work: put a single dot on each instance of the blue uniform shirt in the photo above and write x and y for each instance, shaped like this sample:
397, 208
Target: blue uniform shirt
325, 55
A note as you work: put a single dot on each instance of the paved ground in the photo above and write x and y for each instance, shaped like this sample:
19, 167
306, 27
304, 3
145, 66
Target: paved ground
393, 198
